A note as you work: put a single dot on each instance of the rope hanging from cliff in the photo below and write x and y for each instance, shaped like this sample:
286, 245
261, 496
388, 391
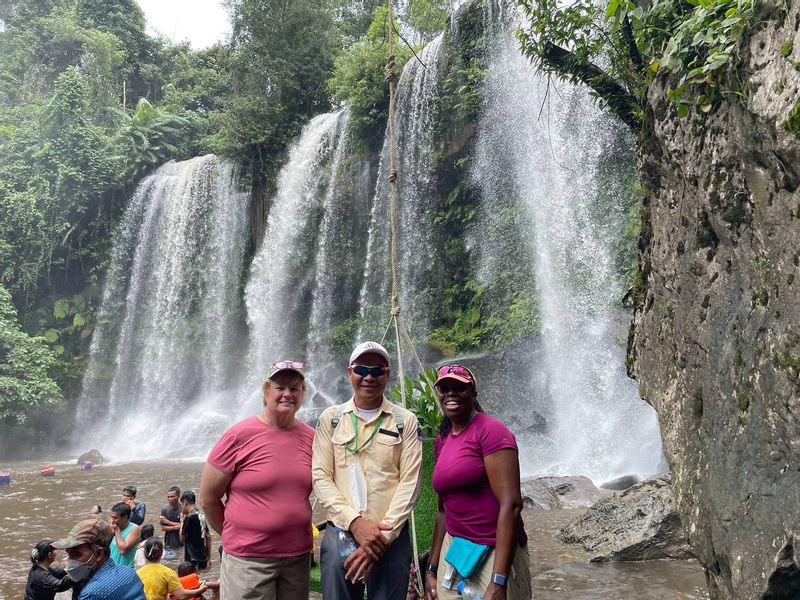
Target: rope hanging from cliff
391, 77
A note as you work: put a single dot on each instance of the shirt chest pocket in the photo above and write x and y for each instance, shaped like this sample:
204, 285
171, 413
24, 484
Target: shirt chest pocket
341, 441
387, 447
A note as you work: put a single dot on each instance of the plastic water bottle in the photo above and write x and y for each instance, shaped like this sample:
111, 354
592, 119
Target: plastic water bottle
347, 545
467, 592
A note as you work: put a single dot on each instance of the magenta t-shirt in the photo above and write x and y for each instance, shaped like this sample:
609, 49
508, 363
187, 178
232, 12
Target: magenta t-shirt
267, 512
460, 479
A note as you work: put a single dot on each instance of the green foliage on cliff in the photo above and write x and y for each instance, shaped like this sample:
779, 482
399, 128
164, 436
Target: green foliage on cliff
359, 77
281, 54
617, 47
359, 80
26, 366
474, 313
75, 134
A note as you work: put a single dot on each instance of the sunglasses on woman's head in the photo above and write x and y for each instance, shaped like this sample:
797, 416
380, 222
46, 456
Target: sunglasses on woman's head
288, 364
456, 370
364, 370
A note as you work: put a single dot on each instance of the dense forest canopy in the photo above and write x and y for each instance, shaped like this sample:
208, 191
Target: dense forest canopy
89, 103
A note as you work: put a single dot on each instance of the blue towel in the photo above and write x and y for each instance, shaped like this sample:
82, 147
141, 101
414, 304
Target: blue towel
466, 557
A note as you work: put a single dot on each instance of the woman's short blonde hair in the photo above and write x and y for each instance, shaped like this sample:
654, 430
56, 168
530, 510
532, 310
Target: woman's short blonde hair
294, 379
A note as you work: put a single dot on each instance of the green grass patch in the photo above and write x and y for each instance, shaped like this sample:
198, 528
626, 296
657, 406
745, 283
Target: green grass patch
793, 122
427, 504
316, 579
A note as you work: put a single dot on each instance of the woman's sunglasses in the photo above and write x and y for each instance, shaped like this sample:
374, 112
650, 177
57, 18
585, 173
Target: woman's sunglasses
457, 370
364, 370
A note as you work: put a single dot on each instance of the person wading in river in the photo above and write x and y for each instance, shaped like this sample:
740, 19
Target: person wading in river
126, 535
170, 519
138, 509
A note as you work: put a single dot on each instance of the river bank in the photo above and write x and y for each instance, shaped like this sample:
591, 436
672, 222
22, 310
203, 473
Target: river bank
34, 507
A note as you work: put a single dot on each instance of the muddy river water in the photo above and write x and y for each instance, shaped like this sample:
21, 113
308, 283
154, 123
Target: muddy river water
34, 507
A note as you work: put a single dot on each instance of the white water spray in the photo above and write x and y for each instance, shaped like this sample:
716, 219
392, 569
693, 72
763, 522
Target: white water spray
598, 425
168, 330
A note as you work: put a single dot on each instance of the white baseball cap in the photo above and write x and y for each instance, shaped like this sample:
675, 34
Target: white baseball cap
367, 347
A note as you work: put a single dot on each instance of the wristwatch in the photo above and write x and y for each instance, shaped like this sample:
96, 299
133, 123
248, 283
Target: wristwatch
499, 579
432, 569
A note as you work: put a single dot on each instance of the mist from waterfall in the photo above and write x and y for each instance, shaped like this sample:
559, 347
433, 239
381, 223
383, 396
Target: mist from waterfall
542, 146
165, 349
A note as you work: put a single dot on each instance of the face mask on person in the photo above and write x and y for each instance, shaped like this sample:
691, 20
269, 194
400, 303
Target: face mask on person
78, 570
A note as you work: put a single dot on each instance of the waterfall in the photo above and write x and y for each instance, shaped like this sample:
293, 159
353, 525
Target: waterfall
168, 329
416, 93
550, 166
298, 270
177, 347
340, 257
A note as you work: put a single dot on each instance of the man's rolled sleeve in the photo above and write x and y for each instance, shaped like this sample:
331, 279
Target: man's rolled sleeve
339, 510
408, 487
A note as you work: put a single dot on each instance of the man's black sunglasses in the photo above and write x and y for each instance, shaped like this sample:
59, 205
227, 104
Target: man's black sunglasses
364, 370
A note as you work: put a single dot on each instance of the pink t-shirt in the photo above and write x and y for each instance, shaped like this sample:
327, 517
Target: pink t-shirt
267, 512
460, 479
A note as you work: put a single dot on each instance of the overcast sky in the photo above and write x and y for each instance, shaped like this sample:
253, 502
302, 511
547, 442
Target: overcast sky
202, 22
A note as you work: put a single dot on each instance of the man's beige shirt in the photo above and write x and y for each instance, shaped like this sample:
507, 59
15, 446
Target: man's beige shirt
392, 466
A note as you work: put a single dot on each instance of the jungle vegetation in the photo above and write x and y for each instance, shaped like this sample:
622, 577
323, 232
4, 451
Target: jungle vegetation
90, 102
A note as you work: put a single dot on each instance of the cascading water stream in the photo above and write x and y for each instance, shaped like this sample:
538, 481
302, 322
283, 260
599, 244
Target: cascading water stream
278, 292
302, 275
550, 166
168, 330
340, 256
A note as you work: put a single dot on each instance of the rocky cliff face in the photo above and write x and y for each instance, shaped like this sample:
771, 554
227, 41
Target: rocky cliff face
716, 339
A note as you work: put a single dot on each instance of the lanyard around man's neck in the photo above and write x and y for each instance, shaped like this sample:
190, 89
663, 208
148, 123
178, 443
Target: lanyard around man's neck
356, 447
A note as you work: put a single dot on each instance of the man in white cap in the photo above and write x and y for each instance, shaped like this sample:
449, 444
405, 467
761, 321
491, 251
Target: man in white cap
366, 467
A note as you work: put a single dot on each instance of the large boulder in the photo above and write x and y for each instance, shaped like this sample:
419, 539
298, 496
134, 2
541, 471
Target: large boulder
92, 456
716, 338
550, 493
640, 523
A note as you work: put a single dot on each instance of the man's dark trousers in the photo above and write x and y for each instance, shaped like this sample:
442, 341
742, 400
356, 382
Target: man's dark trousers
389, 577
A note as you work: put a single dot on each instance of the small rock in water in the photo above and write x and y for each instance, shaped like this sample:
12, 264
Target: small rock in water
549, 493
93, 456
640, 523
620, 483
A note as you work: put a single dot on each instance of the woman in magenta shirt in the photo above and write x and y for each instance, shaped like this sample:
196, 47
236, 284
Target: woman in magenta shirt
477, 478
262, 466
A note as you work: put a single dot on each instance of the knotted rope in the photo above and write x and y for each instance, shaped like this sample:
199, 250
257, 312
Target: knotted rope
391, 77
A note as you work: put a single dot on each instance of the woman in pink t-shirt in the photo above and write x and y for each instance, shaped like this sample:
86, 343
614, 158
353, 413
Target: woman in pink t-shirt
262, 466
477, 478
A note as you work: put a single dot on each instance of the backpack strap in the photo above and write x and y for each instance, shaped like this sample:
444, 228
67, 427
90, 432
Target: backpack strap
336, 417
399, 419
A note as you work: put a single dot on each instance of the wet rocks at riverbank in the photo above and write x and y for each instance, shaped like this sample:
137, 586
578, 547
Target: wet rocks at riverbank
640, 523
550, 493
